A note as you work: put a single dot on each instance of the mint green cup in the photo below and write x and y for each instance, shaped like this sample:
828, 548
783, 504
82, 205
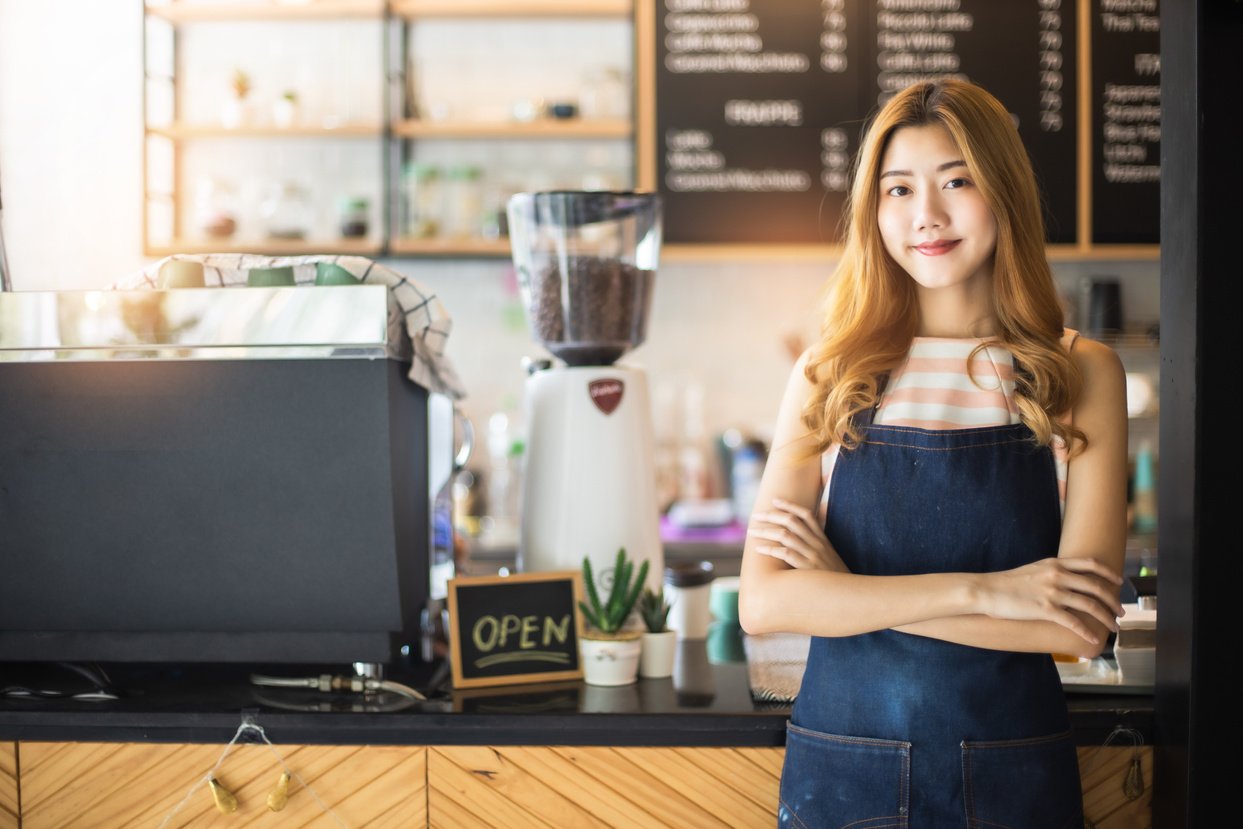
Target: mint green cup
270, 277
329, 273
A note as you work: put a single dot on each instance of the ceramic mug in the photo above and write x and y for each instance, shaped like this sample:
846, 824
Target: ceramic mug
181, 273
329, 273
270, 277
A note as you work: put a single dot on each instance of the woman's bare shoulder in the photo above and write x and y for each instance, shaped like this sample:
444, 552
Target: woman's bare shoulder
1095, 360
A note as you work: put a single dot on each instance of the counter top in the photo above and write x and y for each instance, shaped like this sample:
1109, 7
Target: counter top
704, 704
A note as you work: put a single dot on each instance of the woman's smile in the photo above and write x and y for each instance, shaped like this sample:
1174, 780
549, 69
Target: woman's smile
938, 247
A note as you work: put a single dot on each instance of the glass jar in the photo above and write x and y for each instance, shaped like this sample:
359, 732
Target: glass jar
353, 214
423, 201
215, 208
287, 211
464, 213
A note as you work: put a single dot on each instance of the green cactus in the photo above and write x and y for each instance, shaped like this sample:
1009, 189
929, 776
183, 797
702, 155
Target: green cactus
610, 616
654, 610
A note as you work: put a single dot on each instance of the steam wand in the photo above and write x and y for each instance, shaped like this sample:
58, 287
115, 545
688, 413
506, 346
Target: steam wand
6, 282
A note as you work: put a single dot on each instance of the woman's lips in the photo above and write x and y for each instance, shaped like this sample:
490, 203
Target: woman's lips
937, 248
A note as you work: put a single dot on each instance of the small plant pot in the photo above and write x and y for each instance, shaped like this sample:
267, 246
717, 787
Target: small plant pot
659, 650
610, 659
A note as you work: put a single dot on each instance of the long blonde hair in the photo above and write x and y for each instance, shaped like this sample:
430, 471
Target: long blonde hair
873, 313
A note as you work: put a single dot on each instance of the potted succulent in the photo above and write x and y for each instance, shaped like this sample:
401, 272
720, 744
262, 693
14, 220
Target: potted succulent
660, 644
609, 648
285, 110
233, 114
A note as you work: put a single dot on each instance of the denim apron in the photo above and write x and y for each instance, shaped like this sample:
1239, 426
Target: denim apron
895, 730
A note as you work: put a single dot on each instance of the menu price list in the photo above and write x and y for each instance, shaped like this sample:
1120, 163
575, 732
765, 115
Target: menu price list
758, 114
761, 103
1126, 122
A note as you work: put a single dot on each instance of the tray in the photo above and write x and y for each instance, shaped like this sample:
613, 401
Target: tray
1101, 677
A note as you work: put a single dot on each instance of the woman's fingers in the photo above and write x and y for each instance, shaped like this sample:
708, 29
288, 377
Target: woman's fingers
1084, 564
1075, 625
1089, 605
790, 557
783, 538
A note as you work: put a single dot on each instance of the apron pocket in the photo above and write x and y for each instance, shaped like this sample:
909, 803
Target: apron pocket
832, 781
1022, 784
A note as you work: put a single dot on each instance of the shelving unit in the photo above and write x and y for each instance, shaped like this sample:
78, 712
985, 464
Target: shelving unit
177, 128
180, 11
417, 129
172, 133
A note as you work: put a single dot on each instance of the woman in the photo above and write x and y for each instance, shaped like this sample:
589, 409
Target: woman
947, 491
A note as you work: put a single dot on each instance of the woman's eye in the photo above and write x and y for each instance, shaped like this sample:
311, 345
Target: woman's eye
898, 190
955, 183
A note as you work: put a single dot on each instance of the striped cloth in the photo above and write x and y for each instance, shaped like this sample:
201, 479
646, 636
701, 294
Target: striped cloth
941, 386
418, 324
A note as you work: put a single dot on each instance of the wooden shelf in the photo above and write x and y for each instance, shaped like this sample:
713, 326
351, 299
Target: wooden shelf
412, 9
178, 132
543, 129
271, 247
183, 12
776, 252
489, 248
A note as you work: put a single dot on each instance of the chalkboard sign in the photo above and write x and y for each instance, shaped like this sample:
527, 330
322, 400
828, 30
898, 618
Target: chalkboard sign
760, 104
507, 630
1126, 121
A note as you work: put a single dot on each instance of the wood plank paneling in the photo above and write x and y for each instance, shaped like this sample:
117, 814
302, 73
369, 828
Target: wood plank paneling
684, 788
1103, 770
8, 786
105, 786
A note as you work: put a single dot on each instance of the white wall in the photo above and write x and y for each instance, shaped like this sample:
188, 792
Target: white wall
70, 167
71, 140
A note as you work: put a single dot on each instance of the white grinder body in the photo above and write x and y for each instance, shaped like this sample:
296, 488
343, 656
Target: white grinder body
589, 478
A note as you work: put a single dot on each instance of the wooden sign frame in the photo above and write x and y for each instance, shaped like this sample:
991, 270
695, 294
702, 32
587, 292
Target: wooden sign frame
502, 629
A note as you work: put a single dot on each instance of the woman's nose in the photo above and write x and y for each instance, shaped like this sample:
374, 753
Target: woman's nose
929, 212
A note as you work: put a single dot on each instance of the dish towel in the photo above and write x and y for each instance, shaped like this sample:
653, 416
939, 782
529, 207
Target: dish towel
418, 324
775, 665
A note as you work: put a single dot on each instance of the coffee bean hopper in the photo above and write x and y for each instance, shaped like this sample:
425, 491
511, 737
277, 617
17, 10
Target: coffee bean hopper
586, 262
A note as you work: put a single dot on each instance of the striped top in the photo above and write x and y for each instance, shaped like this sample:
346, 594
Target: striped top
941, 386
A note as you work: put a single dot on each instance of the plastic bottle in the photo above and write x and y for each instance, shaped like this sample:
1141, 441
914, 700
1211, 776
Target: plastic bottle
745, 472
1145, 492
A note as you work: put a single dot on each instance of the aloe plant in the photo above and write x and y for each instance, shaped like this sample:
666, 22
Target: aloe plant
654, 610
610, 616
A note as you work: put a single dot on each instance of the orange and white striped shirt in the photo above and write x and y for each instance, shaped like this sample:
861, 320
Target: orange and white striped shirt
941, 386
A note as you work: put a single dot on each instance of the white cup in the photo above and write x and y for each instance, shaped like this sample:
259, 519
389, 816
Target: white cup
688, 588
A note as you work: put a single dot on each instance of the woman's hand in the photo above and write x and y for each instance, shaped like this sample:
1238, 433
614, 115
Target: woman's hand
1050, 589
792, 533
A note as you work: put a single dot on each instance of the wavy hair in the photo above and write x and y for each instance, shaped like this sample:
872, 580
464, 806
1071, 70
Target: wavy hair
872, 312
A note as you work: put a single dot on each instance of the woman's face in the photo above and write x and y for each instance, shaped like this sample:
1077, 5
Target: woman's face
933, 220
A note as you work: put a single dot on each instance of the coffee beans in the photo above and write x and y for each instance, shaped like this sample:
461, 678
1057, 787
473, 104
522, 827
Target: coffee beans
593, 313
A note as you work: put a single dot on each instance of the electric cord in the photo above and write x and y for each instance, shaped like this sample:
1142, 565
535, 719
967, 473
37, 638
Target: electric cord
328, 682
102, 689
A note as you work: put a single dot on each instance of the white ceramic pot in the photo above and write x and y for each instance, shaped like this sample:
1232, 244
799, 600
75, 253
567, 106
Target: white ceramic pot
610, 661
659, 650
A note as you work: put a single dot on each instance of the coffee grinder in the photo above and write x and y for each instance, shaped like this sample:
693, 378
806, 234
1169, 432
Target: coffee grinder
586, 263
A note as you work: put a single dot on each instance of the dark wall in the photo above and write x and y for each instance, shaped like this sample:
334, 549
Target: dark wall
1201, 206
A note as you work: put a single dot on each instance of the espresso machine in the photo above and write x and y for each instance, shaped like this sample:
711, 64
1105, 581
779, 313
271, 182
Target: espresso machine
586, 263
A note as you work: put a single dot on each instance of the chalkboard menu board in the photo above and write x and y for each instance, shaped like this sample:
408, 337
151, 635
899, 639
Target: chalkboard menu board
1126, 121
760, 104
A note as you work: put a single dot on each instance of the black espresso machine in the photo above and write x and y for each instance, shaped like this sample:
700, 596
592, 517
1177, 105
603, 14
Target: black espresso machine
242, 475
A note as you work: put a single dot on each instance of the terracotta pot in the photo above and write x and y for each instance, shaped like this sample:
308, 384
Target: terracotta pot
610, 659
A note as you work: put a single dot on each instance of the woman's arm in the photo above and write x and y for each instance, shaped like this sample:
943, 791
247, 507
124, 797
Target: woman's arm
1094, 522
825, 600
